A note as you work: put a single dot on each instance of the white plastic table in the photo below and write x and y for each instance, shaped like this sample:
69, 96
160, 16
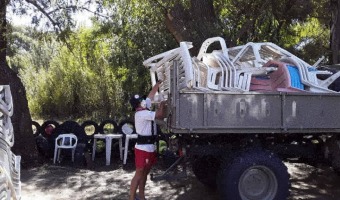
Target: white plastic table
126, 147
108, 144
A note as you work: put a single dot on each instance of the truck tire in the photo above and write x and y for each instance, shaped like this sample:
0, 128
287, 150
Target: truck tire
205, 169
254, 174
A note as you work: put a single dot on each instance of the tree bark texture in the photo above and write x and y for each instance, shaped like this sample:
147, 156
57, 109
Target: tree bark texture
194, 24
24, 144
335, 31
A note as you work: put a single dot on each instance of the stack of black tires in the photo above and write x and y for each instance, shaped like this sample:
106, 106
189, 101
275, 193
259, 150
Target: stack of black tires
46, 133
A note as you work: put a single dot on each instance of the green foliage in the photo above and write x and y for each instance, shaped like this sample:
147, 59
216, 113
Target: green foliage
298, 26
92, 75
139, 33
308, 40
74, 83
94, 71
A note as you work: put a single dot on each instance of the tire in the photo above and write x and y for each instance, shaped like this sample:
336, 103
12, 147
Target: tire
254, 174
36, 128
103, 129
92, 125
127, 127
72, 127
42, 145
44, 126
205, 169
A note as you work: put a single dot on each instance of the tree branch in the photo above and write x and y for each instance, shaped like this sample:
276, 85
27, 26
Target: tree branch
54, 23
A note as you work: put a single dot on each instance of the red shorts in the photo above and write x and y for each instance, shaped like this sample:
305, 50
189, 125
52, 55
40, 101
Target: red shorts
144, 159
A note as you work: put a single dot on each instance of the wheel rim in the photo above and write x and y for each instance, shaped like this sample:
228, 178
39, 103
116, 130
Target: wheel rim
257, 182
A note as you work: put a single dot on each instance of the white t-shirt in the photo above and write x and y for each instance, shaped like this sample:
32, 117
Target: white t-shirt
143, 121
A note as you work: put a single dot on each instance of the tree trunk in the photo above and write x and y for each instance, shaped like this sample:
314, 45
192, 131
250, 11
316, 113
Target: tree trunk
24, 144
194, 24
335, 31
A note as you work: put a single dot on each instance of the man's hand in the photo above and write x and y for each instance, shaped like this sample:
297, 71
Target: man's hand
161, 110
154, 90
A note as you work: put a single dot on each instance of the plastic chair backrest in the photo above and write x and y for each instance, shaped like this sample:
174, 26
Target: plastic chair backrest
205, 46
66, 140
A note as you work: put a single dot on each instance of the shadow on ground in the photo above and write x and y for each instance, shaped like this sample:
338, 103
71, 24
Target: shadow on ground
313, 182
67, 180
75, 181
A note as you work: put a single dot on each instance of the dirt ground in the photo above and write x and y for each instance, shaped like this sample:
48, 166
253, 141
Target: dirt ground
67, 180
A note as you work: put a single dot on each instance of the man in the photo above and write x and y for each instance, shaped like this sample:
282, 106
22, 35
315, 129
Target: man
145, 150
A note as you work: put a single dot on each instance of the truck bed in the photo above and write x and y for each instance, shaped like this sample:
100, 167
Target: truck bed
262, 89
253, 112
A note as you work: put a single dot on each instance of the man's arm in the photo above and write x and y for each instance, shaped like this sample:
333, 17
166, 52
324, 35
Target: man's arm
154, 90
161, 111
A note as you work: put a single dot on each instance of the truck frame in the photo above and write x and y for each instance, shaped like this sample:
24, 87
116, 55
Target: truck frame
235, 135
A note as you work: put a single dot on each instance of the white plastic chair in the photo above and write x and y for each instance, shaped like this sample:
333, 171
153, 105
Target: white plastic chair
65, 141
159, 66
200, 75
308, 75
206, 44
6, 111
215, 75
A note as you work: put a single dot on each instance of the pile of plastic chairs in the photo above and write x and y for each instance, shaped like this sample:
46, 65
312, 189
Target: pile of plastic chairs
258, 67
10, 185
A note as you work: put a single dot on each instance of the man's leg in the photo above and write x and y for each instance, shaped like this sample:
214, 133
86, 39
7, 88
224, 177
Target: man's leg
136, 181
142, 183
